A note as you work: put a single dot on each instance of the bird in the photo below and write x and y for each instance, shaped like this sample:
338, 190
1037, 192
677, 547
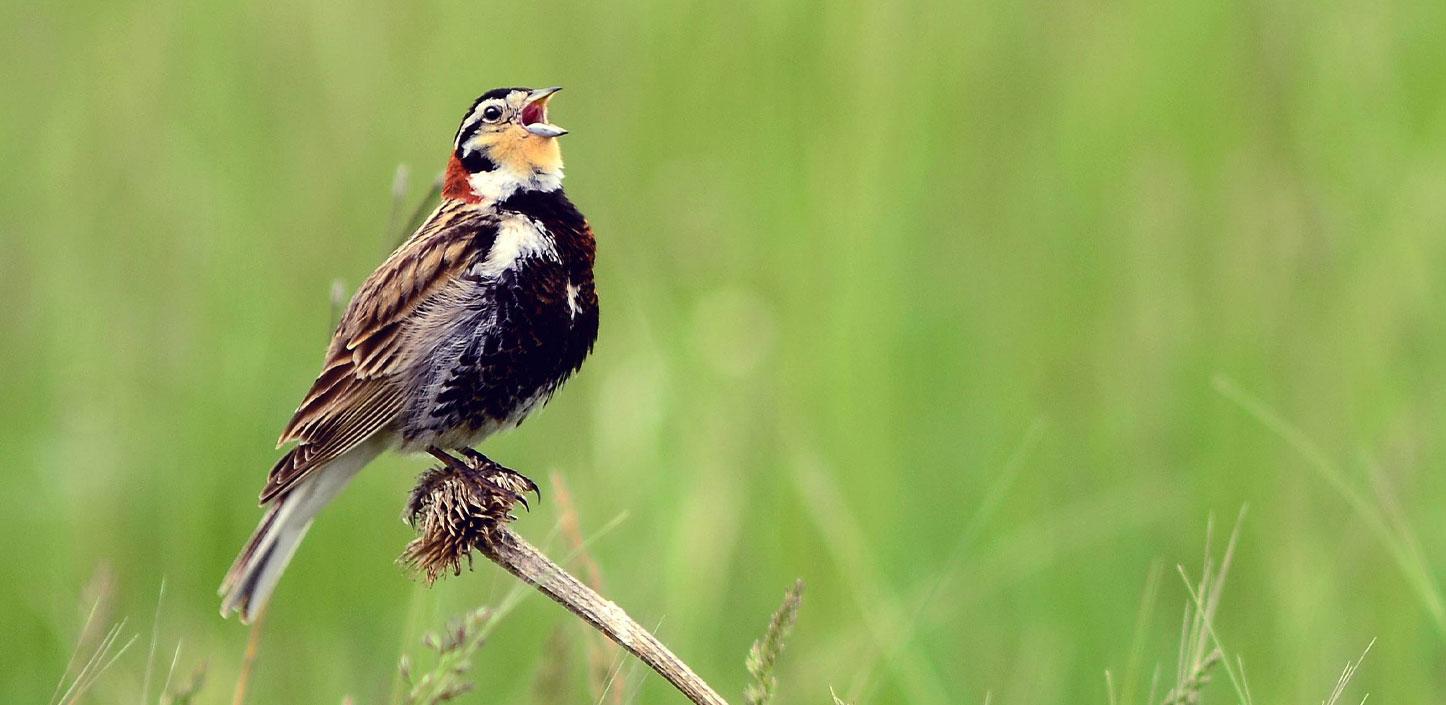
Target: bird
470, 325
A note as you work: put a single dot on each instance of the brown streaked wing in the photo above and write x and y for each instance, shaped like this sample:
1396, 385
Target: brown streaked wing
357, 393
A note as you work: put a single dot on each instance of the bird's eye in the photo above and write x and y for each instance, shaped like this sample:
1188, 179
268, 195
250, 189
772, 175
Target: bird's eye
491, 113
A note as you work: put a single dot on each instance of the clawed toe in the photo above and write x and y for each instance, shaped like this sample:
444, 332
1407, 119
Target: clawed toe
515, 477
497, 471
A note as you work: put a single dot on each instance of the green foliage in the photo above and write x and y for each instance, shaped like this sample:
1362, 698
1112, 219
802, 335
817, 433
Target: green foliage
106, 651
852, 255
452, 651
763, 655
1200, 650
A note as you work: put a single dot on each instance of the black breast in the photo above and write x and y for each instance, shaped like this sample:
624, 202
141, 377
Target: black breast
535, 324
561, 300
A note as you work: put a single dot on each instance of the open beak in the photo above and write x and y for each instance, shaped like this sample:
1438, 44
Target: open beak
534, 114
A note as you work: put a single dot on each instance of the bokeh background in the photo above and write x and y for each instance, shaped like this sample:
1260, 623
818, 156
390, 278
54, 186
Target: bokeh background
969, 314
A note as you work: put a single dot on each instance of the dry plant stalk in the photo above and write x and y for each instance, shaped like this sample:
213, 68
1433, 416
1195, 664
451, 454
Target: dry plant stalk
466, 506
601, 653
1339, 690
248, 661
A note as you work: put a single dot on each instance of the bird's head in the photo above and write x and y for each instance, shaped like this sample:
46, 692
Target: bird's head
505, 145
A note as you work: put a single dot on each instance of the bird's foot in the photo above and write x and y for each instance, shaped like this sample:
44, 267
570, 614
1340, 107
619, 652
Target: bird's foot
502, 480
513, 477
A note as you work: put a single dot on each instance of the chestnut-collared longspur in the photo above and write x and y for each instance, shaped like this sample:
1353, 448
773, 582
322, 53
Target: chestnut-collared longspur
470, 325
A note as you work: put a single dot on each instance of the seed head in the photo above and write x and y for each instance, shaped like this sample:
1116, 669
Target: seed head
455, 508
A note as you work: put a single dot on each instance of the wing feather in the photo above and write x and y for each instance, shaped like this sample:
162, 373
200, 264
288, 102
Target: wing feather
359, 392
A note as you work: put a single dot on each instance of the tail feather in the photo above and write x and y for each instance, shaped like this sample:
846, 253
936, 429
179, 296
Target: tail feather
253, 577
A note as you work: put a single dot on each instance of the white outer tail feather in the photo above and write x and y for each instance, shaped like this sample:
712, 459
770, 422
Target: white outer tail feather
249, 585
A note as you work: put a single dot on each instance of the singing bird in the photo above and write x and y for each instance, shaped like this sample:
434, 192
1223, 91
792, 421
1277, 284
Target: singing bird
470, 325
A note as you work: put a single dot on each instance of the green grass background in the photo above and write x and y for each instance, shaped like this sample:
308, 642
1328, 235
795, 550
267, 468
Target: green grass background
927, 303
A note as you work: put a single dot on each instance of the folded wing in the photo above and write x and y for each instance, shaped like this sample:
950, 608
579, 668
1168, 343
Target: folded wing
361, 389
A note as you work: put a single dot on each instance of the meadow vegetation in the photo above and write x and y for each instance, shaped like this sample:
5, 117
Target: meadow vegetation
968, 314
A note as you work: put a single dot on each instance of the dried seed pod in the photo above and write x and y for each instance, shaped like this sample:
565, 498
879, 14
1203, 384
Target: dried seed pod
455, 507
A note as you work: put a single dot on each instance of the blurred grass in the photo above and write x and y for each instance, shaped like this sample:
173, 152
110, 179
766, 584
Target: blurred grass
870, 244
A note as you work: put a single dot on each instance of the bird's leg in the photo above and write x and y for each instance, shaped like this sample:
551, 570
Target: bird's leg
524, 480
481, 472
447, 458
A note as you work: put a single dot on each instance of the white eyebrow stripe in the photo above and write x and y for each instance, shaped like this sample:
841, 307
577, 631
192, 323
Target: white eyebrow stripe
469, 124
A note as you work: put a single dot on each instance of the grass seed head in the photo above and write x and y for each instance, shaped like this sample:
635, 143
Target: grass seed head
763, 657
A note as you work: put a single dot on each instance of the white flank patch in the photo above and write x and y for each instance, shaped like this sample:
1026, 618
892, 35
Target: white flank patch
518, 238
571, 299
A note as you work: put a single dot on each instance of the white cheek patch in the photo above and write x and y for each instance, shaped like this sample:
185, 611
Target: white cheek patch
518, 238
